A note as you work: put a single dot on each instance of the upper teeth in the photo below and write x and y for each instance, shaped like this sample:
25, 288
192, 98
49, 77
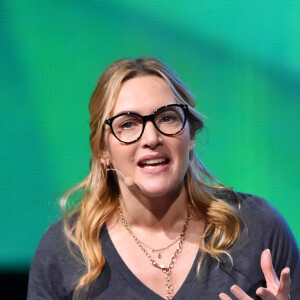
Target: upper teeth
154, 161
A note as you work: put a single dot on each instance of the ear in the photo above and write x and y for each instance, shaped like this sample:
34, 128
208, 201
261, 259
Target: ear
105, 159
192, 143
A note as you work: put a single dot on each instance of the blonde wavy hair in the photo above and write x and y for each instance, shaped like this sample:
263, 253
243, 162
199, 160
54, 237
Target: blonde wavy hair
84, 219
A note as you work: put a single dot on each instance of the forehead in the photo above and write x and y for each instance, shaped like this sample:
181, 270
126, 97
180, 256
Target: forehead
143, 95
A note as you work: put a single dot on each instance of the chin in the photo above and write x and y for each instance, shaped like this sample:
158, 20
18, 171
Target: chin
154, 189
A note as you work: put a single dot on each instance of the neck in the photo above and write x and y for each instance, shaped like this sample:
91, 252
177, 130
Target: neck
161, 213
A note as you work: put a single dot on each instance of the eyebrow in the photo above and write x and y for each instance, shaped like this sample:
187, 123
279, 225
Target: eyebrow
134, 112
126, 111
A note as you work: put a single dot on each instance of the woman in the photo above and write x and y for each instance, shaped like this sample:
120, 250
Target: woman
152, 223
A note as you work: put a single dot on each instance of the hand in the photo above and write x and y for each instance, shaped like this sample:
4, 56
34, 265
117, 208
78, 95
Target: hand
275, 290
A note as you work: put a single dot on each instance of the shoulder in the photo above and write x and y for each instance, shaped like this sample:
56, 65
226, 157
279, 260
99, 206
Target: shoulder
54, 245
54, 235
263, 225
258, 214
248, 205
257, 210
55, 267
267, 227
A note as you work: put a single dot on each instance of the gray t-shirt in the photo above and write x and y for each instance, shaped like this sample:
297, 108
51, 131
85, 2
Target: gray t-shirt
55, 271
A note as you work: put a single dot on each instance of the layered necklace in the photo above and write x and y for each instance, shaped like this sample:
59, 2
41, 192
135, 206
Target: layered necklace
160, 250
166, 269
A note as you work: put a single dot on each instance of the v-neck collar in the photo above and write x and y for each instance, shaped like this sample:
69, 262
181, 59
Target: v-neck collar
115, 261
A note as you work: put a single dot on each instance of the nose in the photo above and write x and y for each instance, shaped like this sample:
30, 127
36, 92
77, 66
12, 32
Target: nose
151, 137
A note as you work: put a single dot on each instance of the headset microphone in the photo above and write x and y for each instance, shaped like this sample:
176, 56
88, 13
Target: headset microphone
127, 180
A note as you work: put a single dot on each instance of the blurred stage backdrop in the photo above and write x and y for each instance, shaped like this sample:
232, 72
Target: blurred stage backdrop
240, 59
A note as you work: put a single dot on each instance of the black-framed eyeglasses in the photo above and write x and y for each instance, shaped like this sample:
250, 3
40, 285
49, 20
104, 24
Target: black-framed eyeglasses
128, 127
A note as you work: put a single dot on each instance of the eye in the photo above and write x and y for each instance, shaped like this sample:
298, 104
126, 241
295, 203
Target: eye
127, 123
169, 117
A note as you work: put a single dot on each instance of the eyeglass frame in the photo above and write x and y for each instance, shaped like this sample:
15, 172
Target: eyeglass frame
147, 118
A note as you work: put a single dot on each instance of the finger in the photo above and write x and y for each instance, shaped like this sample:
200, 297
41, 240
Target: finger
268, 270
265, 294
283, 289
239, 293
223, 296
284, 285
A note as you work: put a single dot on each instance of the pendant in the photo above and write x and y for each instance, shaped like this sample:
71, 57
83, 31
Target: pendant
159, 255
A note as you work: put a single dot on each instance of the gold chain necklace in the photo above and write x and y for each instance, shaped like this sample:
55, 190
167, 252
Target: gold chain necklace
161, 249
167, 270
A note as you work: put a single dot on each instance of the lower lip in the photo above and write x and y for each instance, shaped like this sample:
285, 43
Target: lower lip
154, 170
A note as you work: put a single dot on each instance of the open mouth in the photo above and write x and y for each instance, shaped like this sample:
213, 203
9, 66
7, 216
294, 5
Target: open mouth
154, 163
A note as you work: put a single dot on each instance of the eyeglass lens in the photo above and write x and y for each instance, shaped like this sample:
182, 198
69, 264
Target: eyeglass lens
129, 127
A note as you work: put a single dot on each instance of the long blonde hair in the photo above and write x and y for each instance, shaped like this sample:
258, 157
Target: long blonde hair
101, 190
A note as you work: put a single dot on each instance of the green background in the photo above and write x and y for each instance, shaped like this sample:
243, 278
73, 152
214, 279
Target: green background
240, 59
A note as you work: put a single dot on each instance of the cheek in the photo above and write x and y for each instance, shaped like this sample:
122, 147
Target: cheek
121, 155
183, 153
187, 144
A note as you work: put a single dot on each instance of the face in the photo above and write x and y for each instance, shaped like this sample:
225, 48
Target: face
157, 163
